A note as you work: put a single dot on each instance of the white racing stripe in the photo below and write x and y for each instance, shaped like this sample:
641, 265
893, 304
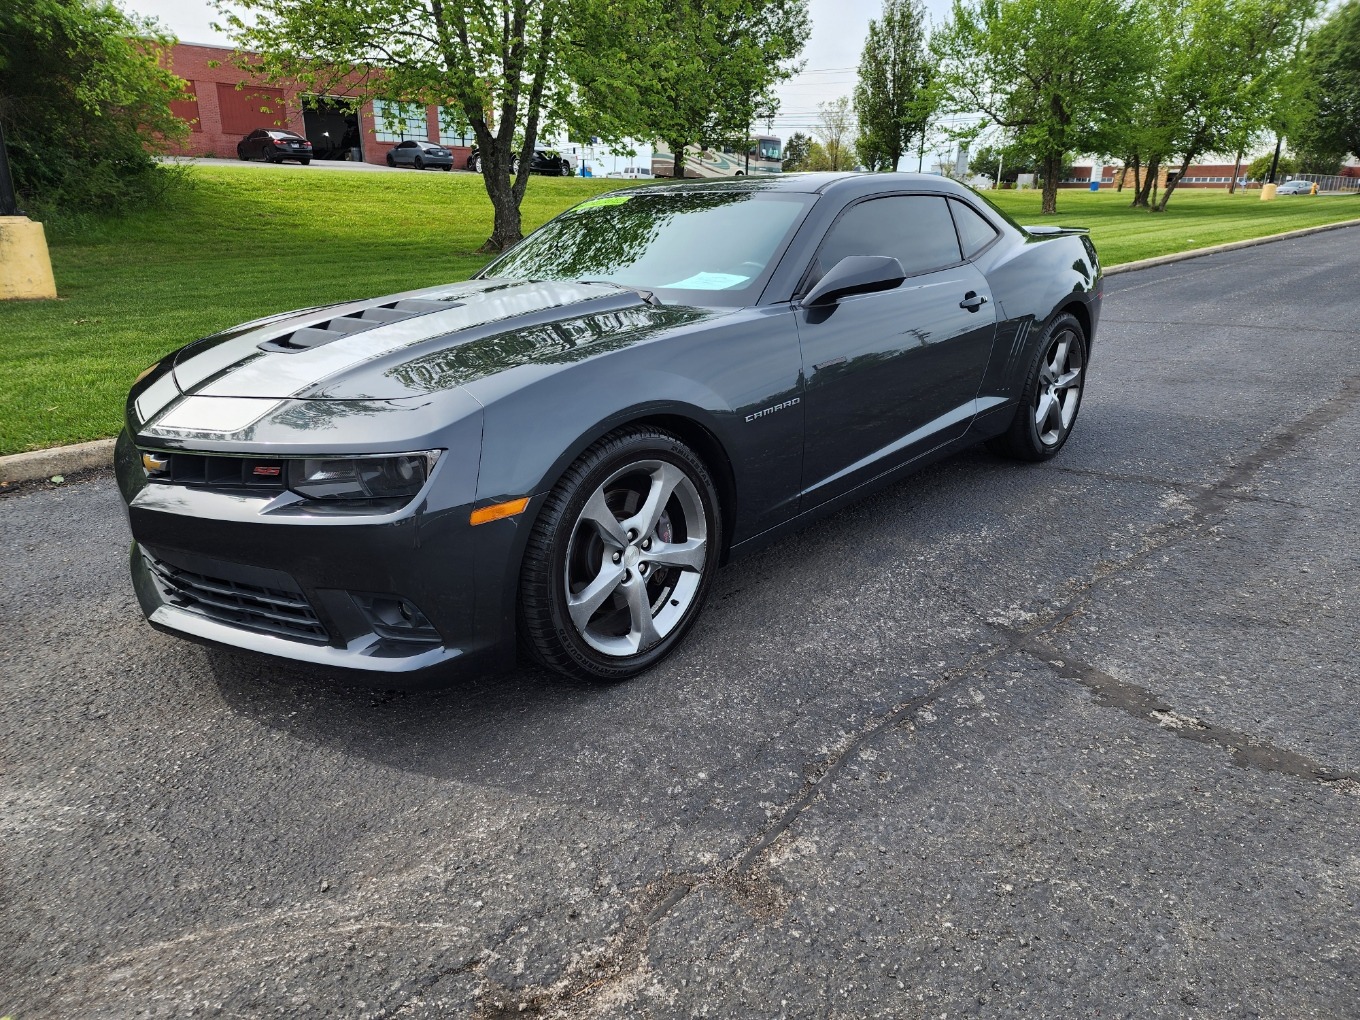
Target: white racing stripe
278, 374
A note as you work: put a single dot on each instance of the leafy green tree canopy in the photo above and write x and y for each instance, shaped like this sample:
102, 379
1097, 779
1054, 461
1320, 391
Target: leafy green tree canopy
84, 100
496, 60
684, 72
796, 152
892, 96
1333, 65
836, 126
1059, 74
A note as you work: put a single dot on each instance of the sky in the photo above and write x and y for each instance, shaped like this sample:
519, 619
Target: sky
830, 58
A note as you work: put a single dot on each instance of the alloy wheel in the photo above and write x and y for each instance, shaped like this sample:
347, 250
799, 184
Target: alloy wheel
1058, 390
636, 558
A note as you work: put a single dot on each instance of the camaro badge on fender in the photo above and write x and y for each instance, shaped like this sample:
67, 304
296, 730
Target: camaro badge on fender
772, 410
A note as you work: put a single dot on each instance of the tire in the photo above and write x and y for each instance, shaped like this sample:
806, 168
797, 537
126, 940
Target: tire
240, 154
1051, 396
391, 161
565, 171
589, 589
474, 164
305, 162
420, 163
446, 169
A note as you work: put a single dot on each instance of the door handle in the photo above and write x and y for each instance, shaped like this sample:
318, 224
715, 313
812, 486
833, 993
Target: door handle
972, 301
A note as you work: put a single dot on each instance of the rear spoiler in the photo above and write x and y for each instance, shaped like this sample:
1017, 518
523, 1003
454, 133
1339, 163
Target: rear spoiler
1043, 230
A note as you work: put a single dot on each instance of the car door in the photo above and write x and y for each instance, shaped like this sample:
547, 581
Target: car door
893, 374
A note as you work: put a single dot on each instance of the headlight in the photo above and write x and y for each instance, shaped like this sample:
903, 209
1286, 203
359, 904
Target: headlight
346, 478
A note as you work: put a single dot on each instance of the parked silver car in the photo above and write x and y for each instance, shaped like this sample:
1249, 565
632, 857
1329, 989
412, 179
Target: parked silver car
421, 155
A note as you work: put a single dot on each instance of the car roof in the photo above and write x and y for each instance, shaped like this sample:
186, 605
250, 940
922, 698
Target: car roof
846, 183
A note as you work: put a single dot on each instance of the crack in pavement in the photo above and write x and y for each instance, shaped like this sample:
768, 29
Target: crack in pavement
1247, 751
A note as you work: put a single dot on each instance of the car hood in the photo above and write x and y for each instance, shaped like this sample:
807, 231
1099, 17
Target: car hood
421, 341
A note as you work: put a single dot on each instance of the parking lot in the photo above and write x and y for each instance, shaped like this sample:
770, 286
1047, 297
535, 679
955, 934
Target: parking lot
1074, 739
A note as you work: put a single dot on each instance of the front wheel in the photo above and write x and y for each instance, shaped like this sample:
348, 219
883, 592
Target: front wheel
391, 160
474, 164
1051, 394
621, 557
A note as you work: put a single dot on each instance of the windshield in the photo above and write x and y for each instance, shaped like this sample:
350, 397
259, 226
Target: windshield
700, 247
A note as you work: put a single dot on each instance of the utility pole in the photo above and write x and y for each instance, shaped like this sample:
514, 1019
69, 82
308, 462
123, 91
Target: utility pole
1275, 163
9, 202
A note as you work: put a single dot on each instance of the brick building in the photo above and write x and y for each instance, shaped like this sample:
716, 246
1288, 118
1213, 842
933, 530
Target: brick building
229, 102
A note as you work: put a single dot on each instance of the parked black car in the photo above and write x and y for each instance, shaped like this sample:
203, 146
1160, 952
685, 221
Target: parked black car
274, 145
556, 456
542, 162
421, 155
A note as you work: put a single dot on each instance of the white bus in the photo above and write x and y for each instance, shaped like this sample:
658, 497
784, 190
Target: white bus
764, 156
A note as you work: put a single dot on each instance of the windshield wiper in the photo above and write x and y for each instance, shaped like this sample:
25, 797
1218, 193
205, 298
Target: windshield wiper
641, 292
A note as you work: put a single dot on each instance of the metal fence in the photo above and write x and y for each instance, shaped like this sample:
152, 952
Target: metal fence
1331, 182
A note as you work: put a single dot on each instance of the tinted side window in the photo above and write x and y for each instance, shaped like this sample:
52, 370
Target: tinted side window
914, 229
975, 233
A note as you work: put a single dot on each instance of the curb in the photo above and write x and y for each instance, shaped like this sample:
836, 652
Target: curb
58, 460
1252, 242
65, 460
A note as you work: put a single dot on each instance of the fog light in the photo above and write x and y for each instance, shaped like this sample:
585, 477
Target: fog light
395, 618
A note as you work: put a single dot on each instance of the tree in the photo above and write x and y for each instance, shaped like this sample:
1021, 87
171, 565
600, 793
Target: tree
685, 72
1011, 160
1259, 167
796, 152
892, 92
1332, 61
835, 125
1059, 74
1219, 82
84, 100
497, 60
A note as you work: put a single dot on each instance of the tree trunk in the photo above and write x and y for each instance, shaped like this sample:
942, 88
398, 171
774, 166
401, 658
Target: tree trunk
678, 167
1052, 168
1237, 171
1149, 181
1171, 185
505, 229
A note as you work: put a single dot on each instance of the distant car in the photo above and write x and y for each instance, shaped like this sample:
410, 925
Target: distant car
421, 155
632, 173
274, 146
542, 162
1295, 188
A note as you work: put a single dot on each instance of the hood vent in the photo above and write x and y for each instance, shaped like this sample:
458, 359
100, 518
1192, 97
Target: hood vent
341, 326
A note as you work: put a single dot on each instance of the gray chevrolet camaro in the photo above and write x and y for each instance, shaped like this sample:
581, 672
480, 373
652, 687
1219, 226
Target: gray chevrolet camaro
555, 457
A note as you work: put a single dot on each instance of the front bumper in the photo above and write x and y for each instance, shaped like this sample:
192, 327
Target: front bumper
206, 565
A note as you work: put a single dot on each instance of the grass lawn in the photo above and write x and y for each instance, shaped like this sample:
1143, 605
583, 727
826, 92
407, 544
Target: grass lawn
245, 242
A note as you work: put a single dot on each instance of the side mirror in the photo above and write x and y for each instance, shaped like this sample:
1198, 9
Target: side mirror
855, 274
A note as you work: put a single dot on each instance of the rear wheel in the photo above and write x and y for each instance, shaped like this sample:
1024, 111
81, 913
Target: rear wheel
420, 163
474, 164
305, 162
621, 557
1052, 394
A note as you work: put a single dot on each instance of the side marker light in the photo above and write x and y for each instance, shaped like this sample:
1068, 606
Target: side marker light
499, 511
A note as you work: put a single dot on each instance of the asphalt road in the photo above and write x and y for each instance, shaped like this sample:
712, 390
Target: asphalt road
1078, 739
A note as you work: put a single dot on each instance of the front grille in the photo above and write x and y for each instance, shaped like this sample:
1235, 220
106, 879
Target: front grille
269, 474
271, 610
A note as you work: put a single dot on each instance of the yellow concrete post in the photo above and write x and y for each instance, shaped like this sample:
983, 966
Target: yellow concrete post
25, 268
1268, 192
